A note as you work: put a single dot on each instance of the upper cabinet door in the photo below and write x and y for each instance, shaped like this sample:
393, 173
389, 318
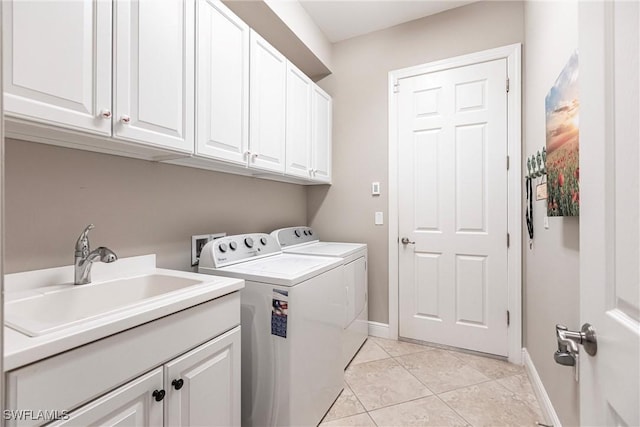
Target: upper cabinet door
321, 135
57, 63
267, 113
203, 386
222, 84
298, 126
154, 72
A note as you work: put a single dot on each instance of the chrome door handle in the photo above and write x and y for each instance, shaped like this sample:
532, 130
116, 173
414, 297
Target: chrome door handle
569, 340
406, 241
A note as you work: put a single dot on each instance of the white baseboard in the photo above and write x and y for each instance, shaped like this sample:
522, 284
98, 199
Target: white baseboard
549, 412
377, 329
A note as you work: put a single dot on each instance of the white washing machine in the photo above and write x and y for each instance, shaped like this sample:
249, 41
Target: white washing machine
304, 241
292, 308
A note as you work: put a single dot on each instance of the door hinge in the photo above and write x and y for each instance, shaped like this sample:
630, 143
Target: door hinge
508, 161
508, 318
507, 84
508, 239
396, 87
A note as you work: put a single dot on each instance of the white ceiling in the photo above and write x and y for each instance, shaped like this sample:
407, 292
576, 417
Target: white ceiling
341, 20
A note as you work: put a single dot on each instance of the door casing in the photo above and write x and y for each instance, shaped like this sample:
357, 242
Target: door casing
513, 54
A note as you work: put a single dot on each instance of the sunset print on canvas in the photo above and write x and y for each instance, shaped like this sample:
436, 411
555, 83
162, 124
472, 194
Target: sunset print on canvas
563, 170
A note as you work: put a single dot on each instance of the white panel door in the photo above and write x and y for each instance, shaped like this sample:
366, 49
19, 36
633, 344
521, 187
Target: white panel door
298, 126
131, 405
610, 211
267, 106
222, 84
154, 72
203, 386
57, 66
453, 205
321, 107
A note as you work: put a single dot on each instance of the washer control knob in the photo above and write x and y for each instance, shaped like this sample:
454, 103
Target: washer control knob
306, 233
310, 232
249, 242
233, 246
222, 247
263, 240
297, 233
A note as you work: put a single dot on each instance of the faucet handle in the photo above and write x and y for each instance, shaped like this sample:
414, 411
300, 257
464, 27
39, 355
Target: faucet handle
82, 245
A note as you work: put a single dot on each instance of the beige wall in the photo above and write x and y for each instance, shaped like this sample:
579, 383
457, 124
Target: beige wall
552, 281
345, 211
138, 207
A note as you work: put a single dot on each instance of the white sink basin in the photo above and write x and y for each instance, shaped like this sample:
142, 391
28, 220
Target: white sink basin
59, 309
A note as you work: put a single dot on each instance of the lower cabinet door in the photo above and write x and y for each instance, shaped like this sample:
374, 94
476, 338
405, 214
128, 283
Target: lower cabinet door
133, 404
203, 385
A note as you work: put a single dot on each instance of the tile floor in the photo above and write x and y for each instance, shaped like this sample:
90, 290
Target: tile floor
393, 383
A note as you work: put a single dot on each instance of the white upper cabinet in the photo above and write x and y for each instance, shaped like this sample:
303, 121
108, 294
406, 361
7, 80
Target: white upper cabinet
57, 63
154, 72
268, 106
298, 126
222, 83
321, 110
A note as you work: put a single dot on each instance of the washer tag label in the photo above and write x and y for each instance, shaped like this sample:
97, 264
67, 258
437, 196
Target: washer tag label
279, 313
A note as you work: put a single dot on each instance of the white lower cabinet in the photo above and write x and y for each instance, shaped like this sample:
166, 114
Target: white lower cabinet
203, 386
131, 405
179, 370
199, 388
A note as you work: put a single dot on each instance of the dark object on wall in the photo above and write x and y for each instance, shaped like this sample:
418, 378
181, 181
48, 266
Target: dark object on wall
562, 163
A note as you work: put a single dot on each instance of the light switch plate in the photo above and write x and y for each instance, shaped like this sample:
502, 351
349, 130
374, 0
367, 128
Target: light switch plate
379, 218
375, 188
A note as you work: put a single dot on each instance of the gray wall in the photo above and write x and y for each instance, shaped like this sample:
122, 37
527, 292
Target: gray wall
552, 282
358, 85
138, 207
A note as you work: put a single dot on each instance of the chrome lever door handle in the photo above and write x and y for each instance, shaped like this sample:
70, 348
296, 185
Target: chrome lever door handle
569, 340
406, 241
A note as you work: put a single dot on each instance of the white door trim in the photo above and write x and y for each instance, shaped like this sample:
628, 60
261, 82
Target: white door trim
512, 53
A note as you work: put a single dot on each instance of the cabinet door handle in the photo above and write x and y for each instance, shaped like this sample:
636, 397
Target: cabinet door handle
158, 395
105, 114
177, 384
125, 119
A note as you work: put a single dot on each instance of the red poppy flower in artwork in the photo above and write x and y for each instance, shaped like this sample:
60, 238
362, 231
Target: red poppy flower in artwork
560, 179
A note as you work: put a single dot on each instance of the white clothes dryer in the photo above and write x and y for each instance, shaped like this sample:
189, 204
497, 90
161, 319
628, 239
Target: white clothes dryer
304, 241
291, 322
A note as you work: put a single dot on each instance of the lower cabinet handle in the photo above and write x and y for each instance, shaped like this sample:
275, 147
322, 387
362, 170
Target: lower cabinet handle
158, 395
177, 384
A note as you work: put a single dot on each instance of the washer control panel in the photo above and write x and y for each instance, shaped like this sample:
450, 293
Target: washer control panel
233, 249
294, 236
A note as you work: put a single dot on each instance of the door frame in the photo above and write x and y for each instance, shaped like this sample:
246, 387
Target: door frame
513, 54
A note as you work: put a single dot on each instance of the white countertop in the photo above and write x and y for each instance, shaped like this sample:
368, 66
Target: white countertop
20, 349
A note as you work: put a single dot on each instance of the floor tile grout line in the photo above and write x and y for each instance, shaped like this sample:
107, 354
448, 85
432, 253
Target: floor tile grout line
519, 396
453, 389
454, 411
351, 415
356, 396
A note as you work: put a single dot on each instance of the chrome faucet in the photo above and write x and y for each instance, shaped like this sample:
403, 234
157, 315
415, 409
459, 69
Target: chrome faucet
84, 257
